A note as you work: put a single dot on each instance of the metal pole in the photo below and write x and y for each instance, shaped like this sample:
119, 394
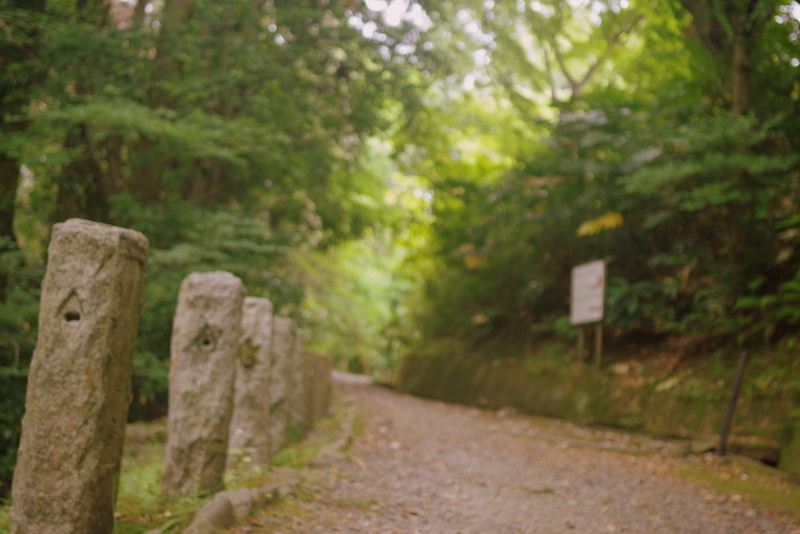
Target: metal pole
598, 344
722, 450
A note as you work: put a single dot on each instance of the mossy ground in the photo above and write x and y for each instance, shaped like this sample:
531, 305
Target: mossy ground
287, 508
744, 479
142, 507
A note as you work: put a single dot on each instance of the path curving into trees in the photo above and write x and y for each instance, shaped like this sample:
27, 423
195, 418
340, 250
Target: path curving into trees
420, 466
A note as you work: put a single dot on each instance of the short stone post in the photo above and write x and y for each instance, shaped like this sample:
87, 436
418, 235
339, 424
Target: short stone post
297, 397
79, 384
249, 433
204, 347
319, 386
282, 344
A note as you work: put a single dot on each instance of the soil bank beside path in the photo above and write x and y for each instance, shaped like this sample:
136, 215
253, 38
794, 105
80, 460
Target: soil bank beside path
418, 466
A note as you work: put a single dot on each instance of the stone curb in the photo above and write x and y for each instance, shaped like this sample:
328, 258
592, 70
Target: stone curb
331, 453
228, 506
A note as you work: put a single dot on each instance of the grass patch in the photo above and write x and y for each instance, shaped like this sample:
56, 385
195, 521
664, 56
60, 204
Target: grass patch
140, 504
298, 455
549, 358
752, 481
4, 521
285, 509
295, 456
246, 476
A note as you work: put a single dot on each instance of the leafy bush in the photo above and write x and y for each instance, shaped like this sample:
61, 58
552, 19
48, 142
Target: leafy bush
693, 218
12, 407
211, 240
18, 320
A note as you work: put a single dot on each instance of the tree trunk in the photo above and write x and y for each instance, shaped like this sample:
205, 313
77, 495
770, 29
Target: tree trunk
729, 30
148, 183
167, 65
9, 178
15, 94
745, 34
82, 191
115, 182
741, 65
139, 13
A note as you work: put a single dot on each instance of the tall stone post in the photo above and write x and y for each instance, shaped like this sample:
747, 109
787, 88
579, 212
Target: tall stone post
205, 344
79, 386
297, 397
282, 344
249, 432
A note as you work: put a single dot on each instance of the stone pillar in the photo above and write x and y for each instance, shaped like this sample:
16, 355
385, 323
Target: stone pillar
282, 344
79, 386
249, 432
204, 347
297, 400
319, 386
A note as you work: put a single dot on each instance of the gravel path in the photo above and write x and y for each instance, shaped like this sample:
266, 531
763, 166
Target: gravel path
424, 467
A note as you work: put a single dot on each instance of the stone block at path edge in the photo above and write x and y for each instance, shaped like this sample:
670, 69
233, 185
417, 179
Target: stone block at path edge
249, 433
319, 386
76, 407
283, 333
297, 385
205, 344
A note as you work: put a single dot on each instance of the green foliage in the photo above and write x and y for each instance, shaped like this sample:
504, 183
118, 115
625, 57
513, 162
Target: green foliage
550, 359
18, 320
354, 305
150, 384
12, 407
698, 213
235, 141
644, 305
690, 205
231, 134
264, 106
214, 240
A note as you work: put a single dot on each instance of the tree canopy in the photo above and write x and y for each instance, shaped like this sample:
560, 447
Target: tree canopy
650, 153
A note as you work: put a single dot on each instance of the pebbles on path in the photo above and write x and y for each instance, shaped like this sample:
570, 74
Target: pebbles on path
426, 467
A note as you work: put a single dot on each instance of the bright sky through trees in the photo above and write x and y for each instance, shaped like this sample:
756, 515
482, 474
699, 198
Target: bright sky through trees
394, 12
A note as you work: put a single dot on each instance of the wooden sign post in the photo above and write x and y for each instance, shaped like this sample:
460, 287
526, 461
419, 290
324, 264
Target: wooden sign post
587, 304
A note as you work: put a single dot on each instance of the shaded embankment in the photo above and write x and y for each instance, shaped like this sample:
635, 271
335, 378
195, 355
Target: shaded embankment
590, 397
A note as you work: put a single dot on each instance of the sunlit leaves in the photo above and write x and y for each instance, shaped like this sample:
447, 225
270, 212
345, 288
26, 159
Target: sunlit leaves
472, 258
607, 221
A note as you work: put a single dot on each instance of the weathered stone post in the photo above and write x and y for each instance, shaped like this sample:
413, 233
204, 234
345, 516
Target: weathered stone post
319, 386
79, 386
205, 343
297, 397
249, 432
282, 344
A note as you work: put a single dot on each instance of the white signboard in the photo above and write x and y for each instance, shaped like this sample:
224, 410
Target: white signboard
588, 292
